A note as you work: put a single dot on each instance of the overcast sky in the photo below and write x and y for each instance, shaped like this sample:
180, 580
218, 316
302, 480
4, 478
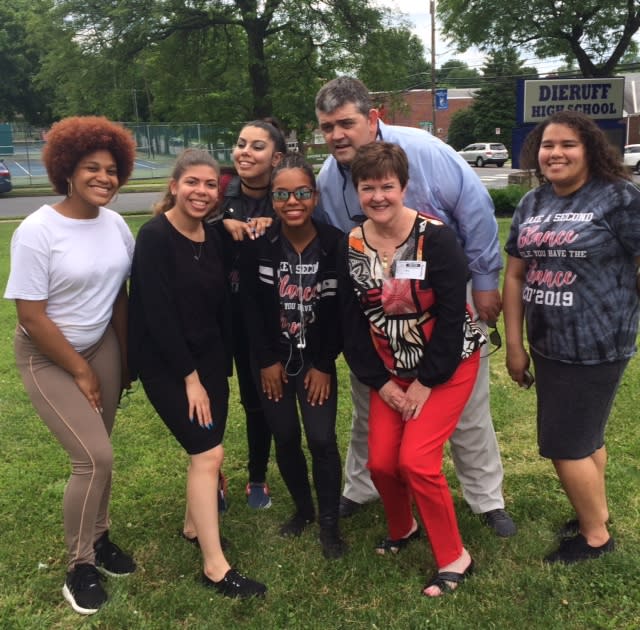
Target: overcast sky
417, 12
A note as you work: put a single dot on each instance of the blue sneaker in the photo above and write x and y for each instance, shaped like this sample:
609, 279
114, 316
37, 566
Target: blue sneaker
258, 496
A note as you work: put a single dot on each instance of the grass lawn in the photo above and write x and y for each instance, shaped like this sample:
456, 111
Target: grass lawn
512, 588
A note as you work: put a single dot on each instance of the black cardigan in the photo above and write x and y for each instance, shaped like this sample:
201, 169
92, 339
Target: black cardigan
156, 331
261, 301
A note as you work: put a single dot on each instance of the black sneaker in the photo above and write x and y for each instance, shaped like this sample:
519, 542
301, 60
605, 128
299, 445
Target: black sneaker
572, 527
500, 522
333, 546
82, 589
348, 507
234, 584
576, 549
111, 559
569, 529
295, 525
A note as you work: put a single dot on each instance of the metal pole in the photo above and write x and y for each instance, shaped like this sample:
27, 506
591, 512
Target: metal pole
135, 105
432, 10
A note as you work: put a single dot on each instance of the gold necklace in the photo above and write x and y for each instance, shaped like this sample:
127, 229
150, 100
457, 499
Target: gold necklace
384, 261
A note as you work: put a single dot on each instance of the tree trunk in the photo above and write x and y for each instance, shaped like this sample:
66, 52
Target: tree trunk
258, 71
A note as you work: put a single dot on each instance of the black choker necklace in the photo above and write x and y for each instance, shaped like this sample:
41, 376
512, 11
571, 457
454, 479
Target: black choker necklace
253, 187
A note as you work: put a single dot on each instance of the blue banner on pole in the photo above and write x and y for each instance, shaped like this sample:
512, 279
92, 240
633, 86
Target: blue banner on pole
442, 99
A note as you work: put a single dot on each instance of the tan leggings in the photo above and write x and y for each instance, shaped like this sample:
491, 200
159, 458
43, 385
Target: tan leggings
84, 434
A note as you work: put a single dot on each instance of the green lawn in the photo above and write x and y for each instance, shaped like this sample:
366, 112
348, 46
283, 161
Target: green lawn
512, 588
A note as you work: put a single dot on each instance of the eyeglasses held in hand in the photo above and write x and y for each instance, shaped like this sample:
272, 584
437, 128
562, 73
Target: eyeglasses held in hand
301, 194
496, 341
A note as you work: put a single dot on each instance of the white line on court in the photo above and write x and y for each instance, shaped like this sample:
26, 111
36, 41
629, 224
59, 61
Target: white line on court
22, 168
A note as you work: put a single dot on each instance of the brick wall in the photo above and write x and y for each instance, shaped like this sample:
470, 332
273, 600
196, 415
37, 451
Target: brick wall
414, 108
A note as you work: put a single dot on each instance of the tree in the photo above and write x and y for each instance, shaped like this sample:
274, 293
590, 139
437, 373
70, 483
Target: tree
213, 89
218, 61
461, 128
596, 33
457, 74
129, 27
494, 106
392, 59
20, 60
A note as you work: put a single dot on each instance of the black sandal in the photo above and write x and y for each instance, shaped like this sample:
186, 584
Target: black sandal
442, 578
394, 546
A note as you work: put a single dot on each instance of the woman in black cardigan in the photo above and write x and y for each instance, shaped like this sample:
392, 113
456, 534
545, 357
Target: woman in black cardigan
179, 331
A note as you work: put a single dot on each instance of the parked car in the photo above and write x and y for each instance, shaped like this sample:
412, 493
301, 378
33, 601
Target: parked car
481, 153
5, 178
631, 157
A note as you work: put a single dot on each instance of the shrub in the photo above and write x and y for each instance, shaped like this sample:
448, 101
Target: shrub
506, 199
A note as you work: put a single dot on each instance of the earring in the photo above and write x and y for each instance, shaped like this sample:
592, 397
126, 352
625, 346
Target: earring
69, 188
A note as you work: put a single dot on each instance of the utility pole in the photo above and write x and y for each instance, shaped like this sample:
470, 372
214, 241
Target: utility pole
432, 10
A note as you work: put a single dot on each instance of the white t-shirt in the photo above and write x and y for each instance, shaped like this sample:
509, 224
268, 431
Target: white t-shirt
77, 265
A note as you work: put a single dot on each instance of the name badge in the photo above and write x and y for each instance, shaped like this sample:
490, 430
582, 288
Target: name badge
411, 269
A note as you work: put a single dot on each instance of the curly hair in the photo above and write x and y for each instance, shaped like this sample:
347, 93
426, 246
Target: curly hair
187, 159
71, 139
603, 160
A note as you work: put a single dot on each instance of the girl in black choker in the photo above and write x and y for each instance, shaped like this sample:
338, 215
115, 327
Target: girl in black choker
246, 213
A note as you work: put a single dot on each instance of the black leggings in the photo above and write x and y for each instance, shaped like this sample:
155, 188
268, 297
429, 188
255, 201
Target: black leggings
258, 432
320, 429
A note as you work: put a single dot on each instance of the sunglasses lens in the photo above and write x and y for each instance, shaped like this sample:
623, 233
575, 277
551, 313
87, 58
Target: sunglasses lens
303, 194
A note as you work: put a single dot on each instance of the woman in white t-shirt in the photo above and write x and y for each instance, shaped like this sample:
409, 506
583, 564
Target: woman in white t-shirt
69, 265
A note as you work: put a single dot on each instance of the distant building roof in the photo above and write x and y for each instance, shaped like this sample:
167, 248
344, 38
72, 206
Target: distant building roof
451, 92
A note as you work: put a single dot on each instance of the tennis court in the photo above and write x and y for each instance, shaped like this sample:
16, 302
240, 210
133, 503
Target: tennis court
27, 168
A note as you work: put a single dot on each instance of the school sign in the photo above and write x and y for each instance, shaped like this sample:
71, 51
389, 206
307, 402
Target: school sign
598, 98
602, 99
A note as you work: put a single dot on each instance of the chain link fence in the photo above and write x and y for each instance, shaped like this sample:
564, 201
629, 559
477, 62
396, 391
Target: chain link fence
157, 147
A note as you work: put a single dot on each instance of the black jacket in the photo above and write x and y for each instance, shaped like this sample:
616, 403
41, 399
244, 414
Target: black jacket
261, 300
234, 204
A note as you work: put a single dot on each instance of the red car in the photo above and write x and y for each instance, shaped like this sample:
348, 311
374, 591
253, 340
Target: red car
5, 178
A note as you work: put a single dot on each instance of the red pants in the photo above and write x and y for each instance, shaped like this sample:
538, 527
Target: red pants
405, 460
